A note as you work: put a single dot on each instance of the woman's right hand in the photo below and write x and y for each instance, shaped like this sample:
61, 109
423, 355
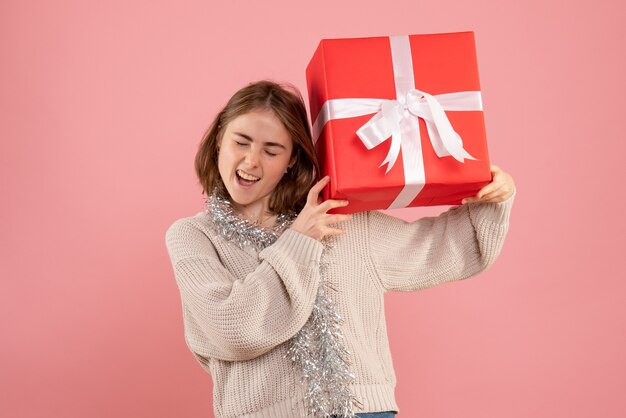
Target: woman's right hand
313, 219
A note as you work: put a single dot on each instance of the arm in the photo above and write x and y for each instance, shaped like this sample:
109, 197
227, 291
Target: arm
455, 245
239, 318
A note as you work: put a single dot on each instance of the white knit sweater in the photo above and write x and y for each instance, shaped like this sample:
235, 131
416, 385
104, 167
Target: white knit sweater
240, 308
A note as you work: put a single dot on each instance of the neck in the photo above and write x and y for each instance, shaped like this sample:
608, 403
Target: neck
257, 216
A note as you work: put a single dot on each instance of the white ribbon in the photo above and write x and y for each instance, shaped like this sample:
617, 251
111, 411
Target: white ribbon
398, 119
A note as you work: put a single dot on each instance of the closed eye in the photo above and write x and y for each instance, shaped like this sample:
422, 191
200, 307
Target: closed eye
244, 144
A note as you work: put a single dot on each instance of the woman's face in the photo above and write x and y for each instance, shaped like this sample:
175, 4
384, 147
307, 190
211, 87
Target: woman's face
253, 155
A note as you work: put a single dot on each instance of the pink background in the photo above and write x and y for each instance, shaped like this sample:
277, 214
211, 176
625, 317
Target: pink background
102, 106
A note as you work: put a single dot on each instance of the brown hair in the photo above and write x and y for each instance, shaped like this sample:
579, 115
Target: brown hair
287, 104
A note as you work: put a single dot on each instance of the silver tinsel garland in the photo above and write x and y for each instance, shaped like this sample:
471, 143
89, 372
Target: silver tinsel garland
317, 350
239, 231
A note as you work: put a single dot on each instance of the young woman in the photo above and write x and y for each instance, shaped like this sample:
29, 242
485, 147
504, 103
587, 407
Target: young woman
282, 301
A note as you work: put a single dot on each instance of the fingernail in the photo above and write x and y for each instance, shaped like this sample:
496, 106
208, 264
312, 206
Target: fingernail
464, 201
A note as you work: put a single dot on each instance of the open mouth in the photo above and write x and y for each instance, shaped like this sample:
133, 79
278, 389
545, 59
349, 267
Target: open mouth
245, 178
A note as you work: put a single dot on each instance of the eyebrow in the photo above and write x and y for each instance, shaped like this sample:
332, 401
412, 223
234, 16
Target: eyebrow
271, 144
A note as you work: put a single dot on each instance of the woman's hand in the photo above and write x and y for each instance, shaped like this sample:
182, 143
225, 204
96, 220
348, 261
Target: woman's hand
501, 188
313, 219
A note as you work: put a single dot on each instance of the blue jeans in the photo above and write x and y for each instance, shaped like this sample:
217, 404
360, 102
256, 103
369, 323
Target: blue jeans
388, 414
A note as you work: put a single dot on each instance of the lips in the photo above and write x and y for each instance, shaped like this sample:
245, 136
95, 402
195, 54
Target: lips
246, 179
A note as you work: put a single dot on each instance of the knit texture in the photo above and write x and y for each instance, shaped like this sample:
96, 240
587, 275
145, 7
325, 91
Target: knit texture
240, 308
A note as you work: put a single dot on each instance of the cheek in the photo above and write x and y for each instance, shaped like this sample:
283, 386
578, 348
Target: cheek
222, 162
280, 167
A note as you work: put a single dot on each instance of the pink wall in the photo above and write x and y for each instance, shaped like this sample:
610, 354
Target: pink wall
102, 107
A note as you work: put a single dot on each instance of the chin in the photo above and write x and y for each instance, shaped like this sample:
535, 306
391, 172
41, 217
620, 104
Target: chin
244, 197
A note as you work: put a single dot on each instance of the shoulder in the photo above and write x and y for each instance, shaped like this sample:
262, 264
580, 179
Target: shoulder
377, 218
189, 236
367, 219
370, 222
199, 221
196, 219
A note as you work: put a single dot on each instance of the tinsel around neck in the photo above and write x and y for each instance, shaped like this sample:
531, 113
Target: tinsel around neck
241, 231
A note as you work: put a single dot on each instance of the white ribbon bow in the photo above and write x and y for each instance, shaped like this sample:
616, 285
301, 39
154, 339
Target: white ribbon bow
398, 119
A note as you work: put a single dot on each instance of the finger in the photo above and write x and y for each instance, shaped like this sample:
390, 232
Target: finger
492, 196
331, 203
470, 199
312, 197
490, 188
502, 193
479, 197
498, 195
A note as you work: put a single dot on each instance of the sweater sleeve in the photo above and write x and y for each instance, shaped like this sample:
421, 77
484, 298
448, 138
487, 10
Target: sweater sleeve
239, 318
455, 245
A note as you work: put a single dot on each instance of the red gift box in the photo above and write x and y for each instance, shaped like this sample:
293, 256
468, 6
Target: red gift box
398, 120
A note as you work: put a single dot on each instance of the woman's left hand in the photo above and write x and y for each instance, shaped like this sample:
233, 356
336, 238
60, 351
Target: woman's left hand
501, 188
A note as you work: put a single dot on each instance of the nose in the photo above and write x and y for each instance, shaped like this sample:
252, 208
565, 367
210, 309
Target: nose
252, 157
